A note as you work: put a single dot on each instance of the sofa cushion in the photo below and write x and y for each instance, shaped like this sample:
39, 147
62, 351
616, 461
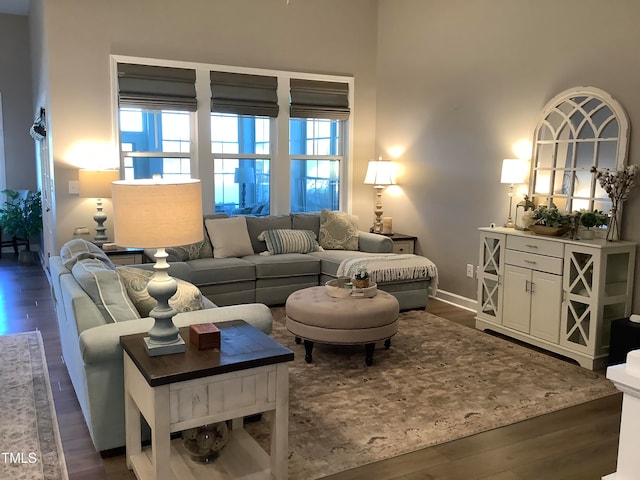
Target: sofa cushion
330, 260
281, 241
229, 237
257, 225
338, 230
285, 265
136, 281
212, 271
78, 249
306, 221
105, 288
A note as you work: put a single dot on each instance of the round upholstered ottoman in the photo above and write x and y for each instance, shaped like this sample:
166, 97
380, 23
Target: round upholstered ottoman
314, 316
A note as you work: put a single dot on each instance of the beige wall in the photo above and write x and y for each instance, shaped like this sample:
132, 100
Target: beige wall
17, 110
459, 82
332, 37
454, 83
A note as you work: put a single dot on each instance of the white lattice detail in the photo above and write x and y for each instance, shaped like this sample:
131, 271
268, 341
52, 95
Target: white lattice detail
579, 321
492, 252
580, 276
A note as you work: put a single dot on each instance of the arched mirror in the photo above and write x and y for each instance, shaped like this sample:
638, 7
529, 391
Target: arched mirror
580, 128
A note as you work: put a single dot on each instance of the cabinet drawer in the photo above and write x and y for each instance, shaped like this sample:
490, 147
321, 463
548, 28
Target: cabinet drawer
403, 246
532, 261
535, 245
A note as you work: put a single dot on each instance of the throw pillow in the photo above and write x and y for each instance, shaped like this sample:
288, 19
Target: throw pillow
289, 241
104, 287
136, 280
338, 230
229, 237
78, 249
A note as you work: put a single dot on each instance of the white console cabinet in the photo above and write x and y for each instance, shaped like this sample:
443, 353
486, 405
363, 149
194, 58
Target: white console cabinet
556, 293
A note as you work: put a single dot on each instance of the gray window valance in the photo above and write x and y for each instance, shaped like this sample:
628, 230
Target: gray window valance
317, 99
156, 88
244, 94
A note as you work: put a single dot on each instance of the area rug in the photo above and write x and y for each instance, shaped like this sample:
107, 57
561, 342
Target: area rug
30, 447
439, 381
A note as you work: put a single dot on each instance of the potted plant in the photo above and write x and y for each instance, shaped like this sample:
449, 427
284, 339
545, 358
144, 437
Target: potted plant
361, 278
596, 218
548, 220
21, 216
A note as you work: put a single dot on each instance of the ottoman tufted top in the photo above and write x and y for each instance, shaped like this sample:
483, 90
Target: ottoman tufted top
314, 307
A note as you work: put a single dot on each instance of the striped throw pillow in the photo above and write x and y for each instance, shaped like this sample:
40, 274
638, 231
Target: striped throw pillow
289, 241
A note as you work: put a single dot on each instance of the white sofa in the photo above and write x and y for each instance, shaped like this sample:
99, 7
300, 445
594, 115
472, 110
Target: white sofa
92, 352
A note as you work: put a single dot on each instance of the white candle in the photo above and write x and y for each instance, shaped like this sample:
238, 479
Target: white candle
386, 225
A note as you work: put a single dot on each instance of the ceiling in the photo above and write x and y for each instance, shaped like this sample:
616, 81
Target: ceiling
14, 7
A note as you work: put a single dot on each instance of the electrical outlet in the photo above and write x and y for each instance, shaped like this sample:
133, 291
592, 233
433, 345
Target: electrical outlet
469, 270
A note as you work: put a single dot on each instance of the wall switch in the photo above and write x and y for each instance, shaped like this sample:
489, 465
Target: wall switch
469, 270
74, 187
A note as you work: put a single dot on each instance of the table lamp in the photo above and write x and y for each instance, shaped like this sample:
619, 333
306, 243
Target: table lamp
97, 184
243, 176
380, 173
157, 213
514, 171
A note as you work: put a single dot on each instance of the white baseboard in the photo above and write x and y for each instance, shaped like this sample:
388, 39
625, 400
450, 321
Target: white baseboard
470, 304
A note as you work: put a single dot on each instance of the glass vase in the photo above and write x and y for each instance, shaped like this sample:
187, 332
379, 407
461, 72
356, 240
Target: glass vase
613, 229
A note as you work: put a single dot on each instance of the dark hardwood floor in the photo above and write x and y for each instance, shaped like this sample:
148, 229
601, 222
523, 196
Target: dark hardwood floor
578, 443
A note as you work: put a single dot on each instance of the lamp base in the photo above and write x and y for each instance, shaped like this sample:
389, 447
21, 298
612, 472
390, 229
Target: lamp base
157, 349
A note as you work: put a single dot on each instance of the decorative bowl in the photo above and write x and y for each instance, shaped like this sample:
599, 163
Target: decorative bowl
342, 287
339, 288
550, 231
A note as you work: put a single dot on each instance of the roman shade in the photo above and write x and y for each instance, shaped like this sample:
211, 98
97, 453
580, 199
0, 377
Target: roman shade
156, 88
244, 94
318, 99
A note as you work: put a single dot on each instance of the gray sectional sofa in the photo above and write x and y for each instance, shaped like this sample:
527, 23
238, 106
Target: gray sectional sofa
97, 302
270, 279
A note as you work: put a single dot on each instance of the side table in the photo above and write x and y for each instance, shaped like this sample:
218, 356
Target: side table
126, 256
249, 374
403, 243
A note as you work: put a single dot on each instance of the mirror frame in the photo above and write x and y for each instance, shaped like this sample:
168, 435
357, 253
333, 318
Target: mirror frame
561, 128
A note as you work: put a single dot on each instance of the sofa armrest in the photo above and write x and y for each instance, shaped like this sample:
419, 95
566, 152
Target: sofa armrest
102, 343
374, 243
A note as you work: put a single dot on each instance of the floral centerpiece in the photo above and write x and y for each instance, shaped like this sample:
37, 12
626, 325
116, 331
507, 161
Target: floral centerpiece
617, 184
361, 278
547, 220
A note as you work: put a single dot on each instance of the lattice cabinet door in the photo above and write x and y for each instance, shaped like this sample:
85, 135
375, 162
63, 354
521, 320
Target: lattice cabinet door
490, 274
597, 286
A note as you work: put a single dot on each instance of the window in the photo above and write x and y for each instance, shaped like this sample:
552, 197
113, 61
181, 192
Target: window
145, 133
242, 156
155, 117
318, 112
315, 146
241, 150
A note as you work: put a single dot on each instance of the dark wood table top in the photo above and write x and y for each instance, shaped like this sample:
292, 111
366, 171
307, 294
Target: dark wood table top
242, 346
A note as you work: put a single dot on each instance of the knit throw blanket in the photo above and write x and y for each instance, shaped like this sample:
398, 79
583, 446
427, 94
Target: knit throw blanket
385, 268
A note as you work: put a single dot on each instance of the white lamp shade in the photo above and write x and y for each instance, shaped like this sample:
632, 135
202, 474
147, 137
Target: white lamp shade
154, 213
380, 172
96, 183
514, 171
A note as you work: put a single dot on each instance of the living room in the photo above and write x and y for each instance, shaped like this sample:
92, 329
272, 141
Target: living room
454, 84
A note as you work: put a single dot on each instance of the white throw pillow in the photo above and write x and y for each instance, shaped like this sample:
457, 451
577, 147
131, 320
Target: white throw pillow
229, 237
106, 290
